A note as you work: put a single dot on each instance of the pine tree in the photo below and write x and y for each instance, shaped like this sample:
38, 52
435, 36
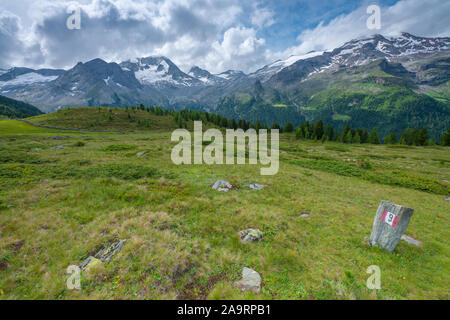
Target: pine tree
299, 133
288, 127
318, 130
356, 138
422, 137
348, 137
445, 138
329, 132
391, 139
257, 125
373, 138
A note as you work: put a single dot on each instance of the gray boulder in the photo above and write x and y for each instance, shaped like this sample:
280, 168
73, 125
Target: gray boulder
256, 186
250, 235
411, 240
222, 185
141, 154
104, 255
251, 281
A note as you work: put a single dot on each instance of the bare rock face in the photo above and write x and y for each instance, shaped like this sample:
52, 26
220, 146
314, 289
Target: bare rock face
390, 223
250, 235
251, 281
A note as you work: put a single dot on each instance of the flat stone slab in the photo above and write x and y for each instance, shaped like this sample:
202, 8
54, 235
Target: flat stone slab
411, 240
222, 185
250, 235
142, 154
304, 215
256, 186
60, 147
109, 251
104, 255
251, 281
89, 263
447, 199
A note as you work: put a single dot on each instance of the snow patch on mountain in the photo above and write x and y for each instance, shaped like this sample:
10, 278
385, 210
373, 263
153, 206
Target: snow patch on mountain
27, 79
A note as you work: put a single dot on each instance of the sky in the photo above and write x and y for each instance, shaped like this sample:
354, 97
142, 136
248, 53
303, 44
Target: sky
216, 35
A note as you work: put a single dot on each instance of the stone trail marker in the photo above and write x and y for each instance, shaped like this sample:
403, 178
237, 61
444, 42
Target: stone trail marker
391, 221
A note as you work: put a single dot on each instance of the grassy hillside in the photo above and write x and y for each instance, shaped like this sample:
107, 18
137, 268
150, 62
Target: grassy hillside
11, 108
105, 119
59, 206
379, 94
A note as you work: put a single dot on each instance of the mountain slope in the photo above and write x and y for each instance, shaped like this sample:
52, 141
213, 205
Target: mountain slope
299, 88
16, 109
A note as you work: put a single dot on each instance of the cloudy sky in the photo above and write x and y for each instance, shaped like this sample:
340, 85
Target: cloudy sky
214, 34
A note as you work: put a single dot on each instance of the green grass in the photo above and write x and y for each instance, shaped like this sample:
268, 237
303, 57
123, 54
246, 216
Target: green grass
105, 119
182, 236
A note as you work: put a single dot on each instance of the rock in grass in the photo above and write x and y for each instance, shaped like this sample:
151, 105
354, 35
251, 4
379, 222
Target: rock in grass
250, 235
104, 255
304, 215
222, 185
89, 263
35, 150
390, 222
447, 199
141, 154
251, 281
60, 147
411, 240
109, 251
256, 186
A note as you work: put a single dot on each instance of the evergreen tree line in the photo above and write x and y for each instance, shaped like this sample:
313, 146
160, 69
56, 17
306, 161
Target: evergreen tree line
306, 130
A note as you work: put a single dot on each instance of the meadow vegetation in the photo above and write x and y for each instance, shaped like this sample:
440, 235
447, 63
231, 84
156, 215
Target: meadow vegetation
58, 206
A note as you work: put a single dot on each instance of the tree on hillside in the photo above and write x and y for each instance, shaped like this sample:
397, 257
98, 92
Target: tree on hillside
329, 132
445, 138
257, 125
276, 126
288, 127
318, 130
299, 132
422, 137
356, 138
373, 138
347, 138
391, 139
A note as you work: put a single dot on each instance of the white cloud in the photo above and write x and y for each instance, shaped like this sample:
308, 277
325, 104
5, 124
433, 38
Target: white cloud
213, 34
262, 17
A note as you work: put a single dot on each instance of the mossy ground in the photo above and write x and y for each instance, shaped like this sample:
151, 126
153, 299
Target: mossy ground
182, 242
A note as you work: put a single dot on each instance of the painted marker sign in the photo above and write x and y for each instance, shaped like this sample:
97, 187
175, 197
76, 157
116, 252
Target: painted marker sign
390, 218
391, 221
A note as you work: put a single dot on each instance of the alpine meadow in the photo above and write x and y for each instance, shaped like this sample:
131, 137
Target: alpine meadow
287, 150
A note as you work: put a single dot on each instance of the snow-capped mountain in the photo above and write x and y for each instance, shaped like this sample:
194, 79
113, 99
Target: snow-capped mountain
159, 72
231, 75
205, 76
362, 51
268, 71
157, 80
15, 78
